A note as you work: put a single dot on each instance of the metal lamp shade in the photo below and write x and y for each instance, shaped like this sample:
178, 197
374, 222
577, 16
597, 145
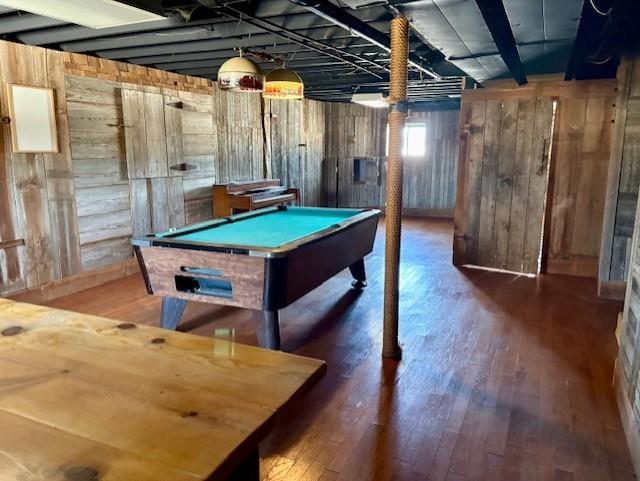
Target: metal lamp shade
283, 83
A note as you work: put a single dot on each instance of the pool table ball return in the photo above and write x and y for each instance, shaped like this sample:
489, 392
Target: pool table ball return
261, 260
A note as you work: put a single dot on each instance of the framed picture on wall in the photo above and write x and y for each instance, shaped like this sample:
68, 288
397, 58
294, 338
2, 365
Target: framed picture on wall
33, 120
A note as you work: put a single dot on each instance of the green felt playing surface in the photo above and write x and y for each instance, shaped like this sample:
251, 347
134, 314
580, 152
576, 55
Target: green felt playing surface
272, 229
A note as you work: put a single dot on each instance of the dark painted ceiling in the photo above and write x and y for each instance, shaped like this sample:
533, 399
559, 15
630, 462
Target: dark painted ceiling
544, 31
450, 39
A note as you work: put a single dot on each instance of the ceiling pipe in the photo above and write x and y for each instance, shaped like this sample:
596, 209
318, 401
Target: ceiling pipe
294, 37
353, 24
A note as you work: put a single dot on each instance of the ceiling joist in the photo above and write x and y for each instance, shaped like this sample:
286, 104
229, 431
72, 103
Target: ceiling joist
495, 16
342, 18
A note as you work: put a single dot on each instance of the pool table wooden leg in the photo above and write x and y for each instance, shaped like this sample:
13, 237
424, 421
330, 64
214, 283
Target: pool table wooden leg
172, 309
359, 274
268, 330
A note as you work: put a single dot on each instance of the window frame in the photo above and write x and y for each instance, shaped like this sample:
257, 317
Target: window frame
405, 140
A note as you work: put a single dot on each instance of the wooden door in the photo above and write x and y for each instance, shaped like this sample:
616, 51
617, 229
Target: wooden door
146, 144
502, 182
577, 189
157, 192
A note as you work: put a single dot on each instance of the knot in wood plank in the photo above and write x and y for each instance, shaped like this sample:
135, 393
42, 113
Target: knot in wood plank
126, 325
12, 331
81, 473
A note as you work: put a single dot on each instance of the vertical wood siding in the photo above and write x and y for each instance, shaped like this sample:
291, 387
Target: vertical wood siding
98, 128
37, 198
624, 181
430, 180
581, 158
353, 131
126, 134
502, 182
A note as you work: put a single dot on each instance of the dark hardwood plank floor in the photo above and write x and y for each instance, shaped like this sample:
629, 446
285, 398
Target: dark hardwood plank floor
503, 378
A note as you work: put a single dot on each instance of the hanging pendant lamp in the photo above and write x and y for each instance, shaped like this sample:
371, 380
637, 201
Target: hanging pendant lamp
284, 84
239, 74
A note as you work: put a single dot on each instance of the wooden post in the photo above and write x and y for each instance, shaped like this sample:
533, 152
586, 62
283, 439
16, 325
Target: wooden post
397, 115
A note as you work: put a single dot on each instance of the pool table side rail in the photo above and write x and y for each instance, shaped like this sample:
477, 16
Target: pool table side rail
283, 250
314, 262
161, 267
221, 221
258, 282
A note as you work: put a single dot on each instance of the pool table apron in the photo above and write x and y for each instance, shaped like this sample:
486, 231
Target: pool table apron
254, 282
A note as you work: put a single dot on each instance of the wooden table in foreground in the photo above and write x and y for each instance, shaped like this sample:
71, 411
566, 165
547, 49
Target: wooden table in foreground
83, 398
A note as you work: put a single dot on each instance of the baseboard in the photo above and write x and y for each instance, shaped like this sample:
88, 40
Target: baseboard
613, 290
76, 283
626, 416
573, 266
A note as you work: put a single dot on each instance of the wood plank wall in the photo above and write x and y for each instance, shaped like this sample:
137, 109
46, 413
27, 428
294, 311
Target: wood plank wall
355, 131
123, 131
314, 135
430, 180
627, 368
579, 162
294, 137
101, 180
238, 120
286, 129
624, 182
37, 198
503, 165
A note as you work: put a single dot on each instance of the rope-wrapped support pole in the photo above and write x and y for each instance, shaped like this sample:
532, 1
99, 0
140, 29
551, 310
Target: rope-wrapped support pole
397, 115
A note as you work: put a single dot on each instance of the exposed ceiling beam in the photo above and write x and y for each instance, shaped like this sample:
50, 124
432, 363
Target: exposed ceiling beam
19, 22
72, 33
265, 41
294, 37
185, 33
546, 43
298, 60
495, 16
324, 62
193, 31
353, 24
160, 60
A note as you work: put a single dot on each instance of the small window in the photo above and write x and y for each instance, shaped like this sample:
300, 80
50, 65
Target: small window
414, 139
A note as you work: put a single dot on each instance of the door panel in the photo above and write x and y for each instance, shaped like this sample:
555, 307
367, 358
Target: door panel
578, 188
502, 179
145, 139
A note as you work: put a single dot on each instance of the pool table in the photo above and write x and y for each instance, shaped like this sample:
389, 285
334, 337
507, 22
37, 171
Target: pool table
262, 260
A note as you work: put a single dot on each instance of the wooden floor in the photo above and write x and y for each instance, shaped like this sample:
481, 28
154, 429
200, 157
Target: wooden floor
503, 377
